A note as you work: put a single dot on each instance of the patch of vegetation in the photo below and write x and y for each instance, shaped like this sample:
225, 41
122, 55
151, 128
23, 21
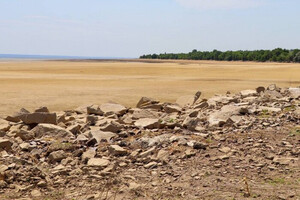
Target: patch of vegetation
275, 55
289, 108
265, 114
276, 181
295, 131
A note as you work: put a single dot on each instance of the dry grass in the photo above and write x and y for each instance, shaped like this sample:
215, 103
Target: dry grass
65, 84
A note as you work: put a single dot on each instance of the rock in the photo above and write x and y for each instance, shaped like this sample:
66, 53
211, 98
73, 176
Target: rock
74, 129
224, 100
4, 125
200, 145
260, 89
101, 135
272, 87
272, 94
16, 117
147, 123
146, 102
172, 108
5, 144
162, 155
98, 162
225, 149
269, 109
284, 160
94, 109
25, 146
111, 126
88, 154
219, 118
24, 134
247, 93
151, 165
91, 119
294, 92
3, 168
35, 193
113, 108
144, 113
191, 123
38, 117
154, 141
189, 153
42, 109
188, 100
116, 150
57, 156
42, 130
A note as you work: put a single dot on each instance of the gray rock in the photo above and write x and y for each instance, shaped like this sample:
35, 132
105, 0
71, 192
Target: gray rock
147, 123
219, 118
42, 130
294, 92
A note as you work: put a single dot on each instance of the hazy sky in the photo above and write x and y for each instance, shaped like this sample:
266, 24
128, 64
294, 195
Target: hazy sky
130, 28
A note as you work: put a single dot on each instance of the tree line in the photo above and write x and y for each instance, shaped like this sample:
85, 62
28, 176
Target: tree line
275, 55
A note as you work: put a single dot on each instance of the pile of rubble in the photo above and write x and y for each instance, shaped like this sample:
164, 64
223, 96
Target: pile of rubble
229, 146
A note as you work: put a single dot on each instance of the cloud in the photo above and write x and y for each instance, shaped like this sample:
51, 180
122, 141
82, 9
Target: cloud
221, 4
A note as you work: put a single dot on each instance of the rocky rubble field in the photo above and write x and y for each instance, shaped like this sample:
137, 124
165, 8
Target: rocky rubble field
233, 146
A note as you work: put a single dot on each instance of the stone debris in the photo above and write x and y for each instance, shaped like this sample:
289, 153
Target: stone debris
190, 148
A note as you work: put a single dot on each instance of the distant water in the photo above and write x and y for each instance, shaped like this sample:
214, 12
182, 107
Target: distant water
49, 57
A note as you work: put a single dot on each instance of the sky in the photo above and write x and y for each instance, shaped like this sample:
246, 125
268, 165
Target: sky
130, 28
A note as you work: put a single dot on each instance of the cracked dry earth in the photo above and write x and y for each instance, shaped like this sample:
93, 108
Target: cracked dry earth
233, 146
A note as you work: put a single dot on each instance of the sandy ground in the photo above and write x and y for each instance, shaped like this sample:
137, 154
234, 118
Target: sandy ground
62, 85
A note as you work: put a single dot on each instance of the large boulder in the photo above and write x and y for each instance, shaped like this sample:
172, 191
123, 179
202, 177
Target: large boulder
113, 108
42, 130
147, 123
219, 118
39, 117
